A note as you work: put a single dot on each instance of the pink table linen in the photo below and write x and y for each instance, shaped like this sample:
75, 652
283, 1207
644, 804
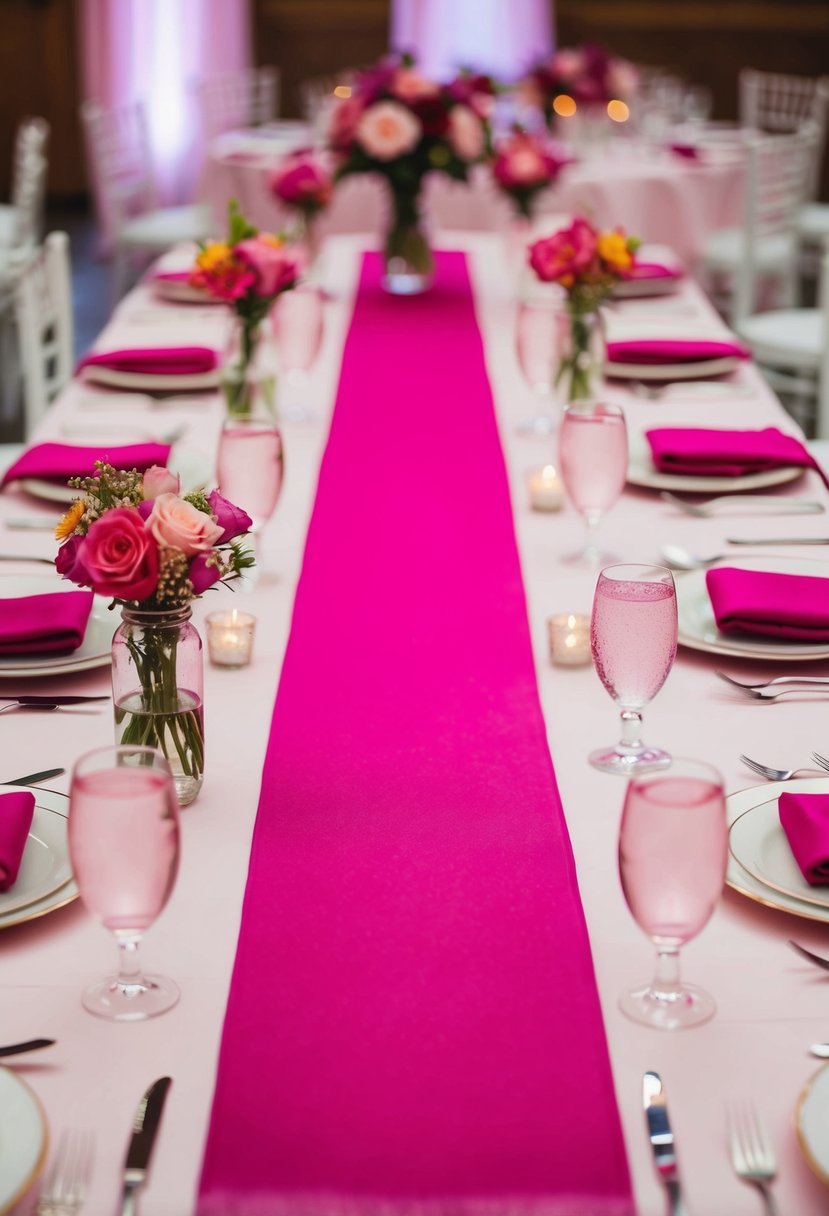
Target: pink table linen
794, 607
59, 461
44, 624
413, 1024
16, 811
651, 351
696, 451
155, 361
805, 820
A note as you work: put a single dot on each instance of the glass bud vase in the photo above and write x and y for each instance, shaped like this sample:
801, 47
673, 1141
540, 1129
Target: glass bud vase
248, 375
581, 354
157, 691
408, 261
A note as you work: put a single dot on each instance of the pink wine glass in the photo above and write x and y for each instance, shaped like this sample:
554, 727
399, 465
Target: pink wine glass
540, 330
633, 635
297, 321
593, 461
673, 852
250, 469
124, 848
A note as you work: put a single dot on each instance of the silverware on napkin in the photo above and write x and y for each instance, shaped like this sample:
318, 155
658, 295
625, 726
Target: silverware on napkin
144, 1131
662, 1140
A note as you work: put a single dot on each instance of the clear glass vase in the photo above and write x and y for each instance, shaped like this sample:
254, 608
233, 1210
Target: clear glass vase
248, 374
580, 356
408, 261
157, 691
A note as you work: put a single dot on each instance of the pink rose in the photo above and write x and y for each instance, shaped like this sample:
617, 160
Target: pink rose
466, 133
203, 573
274, 267
158, 480
622, 79
69, 561
342, 125
301, 179
409, 85
388, 130
522, 160
179, 525
231, 519
120, 556
566, 255
567, 64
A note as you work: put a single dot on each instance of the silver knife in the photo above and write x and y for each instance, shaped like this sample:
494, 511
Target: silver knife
35, 778
60, 699
777, 540
662, 1139
144, 1131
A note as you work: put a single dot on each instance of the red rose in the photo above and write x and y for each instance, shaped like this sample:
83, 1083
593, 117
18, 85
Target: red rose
120, 555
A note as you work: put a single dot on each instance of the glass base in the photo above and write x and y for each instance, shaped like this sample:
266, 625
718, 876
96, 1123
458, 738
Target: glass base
688, 1006
116, 1001
589, 558
401, 280
626, 762
541, 424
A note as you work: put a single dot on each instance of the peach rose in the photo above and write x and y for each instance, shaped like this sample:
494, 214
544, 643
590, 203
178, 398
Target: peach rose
466, 134
179, 525
388, 130
158, 480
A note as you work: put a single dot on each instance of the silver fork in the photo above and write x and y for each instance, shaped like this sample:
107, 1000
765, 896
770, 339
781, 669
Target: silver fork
779, 687
752, 1153
775, 774
65, 1188
766, 503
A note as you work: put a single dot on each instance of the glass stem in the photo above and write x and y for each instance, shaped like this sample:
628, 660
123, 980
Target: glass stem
129, 967
666, 979
631, 730
592, 520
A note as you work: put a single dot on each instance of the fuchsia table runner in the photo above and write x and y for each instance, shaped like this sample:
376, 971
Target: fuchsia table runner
413, 1025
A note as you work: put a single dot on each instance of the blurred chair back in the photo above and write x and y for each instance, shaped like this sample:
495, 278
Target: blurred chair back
235, 100
43, 308
29, 170
118, 150
780, 104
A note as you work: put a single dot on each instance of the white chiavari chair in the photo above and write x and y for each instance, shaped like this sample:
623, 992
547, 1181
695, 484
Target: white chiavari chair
119, 155
43, 310
765, 247
234, 101
21, 218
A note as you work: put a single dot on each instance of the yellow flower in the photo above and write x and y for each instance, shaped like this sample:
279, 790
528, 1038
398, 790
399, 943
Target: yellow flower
66, 525
614, 252
214, 255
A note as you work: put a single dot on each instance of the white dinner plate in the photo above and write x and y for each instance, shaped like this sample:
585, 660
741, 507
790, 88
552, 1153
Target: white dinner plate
631, 289
178, 291
23, 1138
94, 651
699, 370
739, 879
641, 472
141, 382
698, 629
812, 1123
44, 867
56, 806
193, 468
757, 841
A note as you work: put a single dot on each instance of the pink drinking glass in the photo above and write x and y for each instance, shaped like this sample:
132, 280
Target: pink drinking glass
297, 322
593, 462
540, 331
633, 637
673, 852
124, 849
250, 471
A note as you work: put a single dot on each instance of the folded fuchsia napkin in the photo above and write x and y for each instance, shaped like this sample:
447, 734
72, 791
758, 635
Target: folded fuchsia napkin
44, 624
59, 461
805, 820
16, 810
155, 361
697, 451
793, 607
652, 351
685, 151
652, 270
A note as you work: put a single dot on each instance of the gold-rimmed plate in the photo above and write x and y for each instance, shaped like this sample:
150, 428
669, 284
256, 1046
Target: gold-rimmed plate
757, 841
812, 1123
23, 1139
94, 651
744, 882
51, 808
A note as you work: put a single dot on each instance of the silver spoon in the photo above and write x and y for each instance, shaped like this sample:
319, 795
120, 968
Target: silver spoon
680, 559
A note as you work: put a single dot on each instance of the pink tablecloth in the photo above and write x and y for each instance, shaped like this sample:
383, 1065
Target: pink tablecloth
413, 1025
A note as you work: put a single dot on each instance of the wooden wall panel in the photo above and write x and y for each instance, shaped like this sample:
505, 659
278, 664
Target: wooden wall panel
39, 74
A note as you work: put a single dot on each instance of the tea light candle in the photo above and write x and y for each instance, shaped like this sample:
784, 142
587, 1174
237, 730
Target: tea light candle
546, 491
230, 638
569, 639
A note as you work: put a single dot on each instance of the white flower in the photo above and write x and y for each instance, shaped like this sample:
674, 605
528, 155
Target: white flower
388, 130
466, 134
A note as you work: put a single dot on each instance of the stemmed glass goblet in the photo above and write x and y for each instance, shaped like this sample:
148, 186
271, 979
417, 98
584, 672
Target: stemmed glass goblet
633, 638
673, 852
250, 469
540, 332
593, 462
124, 849
297, 321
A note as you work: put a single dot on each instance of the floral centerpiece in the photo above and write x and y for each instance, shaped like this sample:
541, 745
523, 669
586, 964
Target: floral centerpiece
399, 124
588, 74
523, 166
248, 270
303, 182
587, 264
135, 538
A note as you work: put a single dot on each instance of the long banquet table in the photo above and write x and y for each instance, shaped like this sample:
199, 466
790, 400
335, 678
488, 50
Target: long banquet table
770, 1005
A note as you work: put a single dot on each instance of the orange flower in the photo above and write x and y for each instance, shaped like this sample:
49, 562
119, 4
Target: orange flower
614, 251
69, 521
